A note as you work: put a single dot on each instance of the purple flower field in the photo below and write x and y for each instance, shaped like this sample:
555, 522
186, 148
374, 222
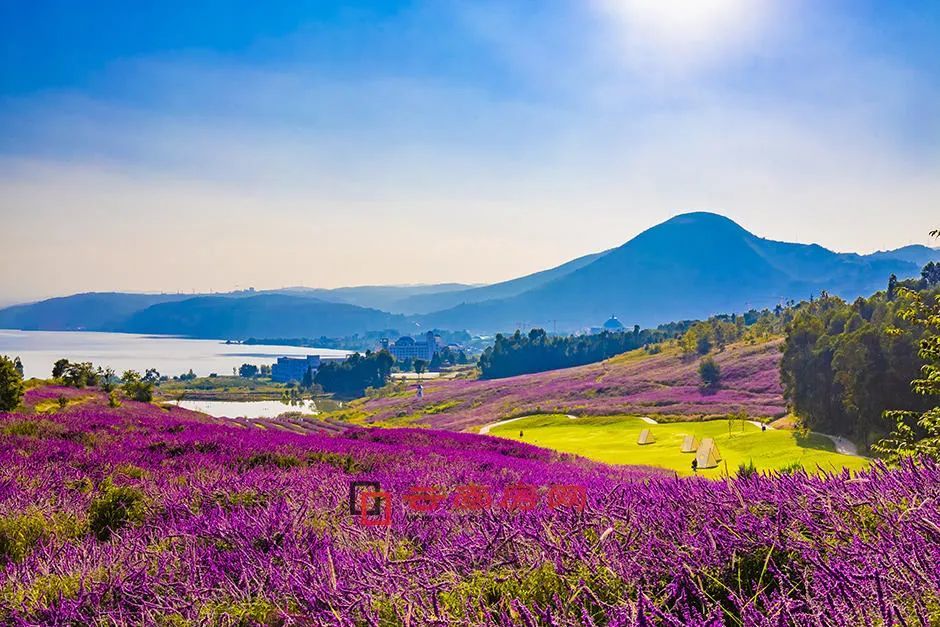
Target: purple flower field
657, 385
141, 515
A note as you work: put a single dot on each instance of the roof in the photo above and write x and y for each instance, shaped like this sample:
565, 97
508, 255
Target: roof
613, 323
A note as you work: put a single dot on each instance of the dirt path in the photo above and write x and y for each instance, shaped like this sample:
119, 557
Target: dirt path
843, 445
486, 428
648, 420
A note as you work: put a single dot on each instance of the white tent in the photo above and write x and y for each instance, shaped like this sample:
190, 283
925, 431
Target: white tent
689, 444
645, 437
707, 455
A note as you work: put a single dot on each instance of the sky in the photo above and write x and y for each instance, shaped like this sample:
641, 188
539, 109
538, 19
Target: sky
208, 146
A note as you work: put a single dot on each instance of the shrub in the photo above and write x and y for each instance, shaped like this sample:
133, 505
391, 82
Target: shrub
19, 533
11, 384
748, 470
114, 508
710, 374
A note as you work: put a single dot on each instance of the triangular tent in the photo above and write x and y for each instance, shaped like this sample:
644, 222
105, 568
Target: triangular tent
689, 444
646, 437
707, 455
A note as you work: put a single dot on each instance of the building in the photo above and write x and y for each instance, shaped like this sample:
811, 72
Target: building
294, 368
612, 325
407, 347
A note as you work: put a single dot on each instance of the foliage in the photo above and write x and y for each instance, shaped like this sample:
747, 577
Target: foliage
195, 536
841, 369
11, 384
248, 371
710, 374
114, 508
352, 376
136, 387
915, 434
77, 375
537, 351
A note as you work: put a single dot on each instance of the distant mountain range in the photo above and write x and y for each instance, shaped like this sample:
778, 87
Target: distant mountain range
691, 266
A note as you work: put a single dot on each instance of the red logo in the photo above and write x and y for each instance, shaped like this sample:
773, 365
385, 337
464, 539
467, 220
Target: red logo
423, 499
520, 497
385, 517
472, 498
573, 496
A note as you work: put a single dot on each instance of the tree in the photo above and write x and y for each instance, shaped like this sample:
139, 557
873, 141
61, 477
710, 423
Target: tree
59, 368
18, 365
710, 373
135, 387
931, 274
79, 375
703, 345
106, 378
919, 434
421, 366
307, 382
152, 376
11, 384
265, 370
248, 371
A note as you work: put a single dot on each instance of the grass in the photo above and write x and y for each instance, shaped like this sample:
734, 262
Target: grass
612, 439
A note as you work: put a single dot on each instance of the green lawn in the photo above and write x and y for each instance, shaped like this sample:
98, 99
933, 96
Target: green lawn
612, 439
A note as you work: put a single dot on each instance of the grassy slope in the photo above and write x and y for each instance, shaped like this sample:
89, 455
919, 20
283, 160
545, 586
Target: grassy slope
665, 385
612, 439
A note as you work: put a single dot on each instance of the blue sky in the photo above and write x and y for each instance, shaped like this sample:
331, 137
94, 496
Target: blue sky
208, 145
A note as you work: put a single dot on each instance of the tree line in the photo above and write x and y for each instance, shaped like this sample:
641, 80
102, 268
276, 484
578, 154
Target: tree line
537, 351
350, 377
845, 364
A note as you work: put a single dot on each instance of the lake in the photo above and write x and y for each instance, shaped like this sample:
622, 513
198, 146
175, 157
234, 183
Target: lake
249, 409
170, 355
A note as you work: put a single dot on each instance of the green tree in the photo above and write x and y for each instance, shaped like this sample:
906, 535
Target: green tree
931, 274
135, 387
18, 364
421, 366
59, 368
307, 382
248, 371
79, 375
919, 434
11, 384
710, 373
106, 378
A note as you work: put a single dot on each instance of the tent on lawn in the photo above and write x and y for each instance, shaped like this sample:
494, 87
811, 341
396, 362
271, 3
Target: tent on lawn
690, 444
707, 455
645, 437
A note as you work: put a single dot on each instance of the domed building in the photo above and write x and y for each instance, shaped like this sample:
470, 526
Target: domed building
613, 324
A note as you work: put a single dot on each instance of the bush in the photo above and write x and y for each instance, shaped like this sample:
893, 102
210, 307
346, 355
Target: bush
137, 388
748, 470
115, 508
710, 374
19, 533
11, 384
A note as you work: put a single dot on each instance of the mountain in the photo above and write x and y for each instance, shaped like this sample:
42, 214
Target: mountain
93, 311
424, 303
263, 315
691, 266
915, 253
386, 297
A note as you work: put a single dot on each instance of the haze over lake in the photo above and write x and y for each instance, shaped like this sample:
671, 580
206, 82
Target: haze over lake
123, 351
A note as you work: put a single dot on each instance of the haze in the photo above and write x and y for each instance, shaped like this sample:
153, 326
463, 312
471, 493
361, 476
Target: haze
235, 144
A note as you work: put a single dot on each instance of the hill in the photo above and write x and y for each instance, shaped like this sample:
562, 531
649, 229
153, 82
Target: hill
263, 315
140, 515
425, 303
691, 266
664, 385
94, 311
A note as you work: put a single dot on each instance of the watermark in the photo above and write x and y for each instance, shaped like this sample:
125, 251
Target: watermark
373, 505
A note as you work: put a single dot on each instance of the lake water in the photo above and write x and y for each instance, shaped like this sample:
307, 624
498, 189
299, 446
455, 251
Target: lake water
249, 409
125, 351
